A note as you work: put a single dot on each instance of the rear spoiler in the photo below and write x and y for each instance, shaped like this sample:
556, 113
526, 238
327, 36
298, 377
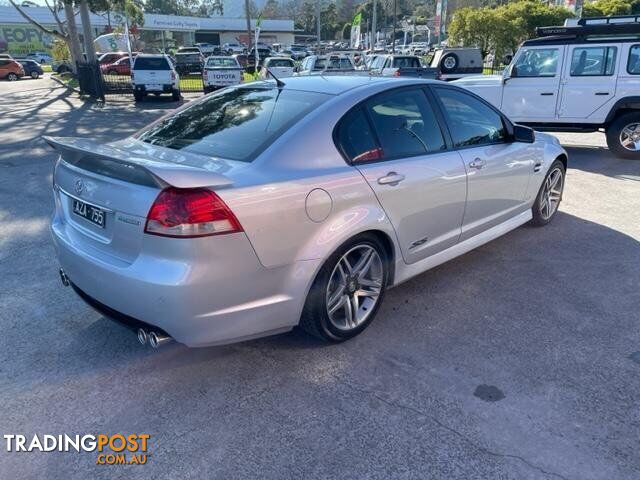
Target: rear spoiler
132, 166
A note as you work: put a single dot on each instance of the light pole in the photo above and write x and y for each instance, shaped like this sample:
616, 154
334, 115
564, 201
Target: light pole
393, 45
318, 24
248, 14
374, 26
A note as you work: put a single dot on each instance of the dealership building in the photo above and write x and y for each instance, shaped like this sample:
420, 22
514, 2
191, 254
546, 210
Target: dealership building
19, 37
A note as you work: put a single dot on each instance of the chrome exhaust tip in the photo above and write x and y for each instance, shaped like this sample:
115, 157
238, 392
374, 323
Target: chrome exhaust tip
157, 340
142, 336
63, 278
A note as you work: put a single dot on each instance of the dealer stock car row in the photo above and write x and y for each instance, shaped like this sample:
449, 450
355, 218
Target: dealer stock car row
273, 204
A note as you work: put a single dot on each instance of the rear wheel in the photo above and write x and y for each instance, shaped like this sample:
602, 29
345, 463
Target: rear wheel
550, 195
623, 136
35, 75
12, 77
347, 291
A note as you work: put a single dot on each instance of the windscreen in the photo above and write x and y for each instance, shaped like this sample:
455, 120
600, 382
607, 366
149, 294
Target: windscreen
222, 62
235, 124
151, 63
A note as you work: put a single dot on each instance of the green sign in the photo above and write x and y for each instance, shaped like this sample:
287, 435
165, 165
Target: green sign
20, 39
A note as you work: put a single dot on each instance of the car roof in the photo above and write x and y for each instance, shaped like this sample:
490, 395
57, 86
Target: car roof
337, 84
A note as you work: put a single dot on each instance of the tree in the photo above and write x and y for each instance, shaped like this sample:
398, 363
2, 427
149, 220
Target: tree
329, 24
606, 8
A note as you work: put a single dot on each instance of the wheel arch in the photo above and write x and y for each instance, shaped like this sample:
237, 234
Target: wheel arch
621, 107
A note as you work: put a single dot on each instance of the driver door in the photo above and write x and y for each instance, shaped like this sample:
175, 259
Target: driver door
531, 92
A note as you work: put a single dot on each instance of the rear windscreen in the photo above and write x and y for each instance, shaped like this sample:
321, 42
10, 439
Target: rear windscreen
281, 63
406, 62
151, 63
222, 62
235, 124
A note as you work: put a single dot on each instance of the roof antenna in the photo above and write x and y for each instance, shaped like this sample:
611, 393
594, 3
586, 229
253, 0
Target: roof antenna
279, 82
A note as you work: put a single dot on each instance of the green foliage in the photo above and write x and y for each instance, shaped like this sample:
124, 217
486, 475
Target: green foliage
607, 7
60, 50
501, 29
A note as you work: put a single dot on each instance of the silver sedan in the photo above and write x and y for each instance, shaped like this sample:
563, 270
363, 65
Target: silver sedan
270, 205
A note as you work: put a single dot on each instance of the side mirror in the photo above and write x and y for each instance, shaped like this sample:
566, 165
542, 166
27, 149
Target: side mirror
523, 134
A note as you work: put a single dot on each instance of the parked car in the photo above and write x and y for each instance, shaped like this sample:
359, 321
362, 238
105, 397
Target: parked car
280, 67
61, 66
298, 52
208, 227
154, 74
188, 61
263, 52
188, 50
320, 64
121, 66
454, 63
10, 69
574, 78
208, 49
233, 48
400, 66
220, 72
419, 48
31, 68
40, 57
242, 59
112, 57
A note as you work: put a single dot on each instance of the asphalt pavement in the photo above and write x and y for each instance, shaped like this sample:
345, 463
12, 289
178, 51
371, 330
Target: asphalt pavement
519, 360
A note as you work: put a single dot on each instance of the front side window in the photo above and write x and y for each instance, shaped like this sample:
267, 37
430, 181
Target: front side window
536, 62
234, 124
593, 61
471, 122
405, 123
633, 62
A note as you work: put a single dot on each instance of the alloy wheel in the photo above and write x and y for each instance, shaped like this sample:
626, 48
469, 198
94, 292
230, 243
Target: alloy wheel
630, 137
551, 193
354, 287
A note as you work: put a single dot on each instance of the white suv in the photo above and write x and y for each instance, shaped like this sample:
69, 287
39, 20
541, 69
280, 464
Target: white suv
154, 74
583, 78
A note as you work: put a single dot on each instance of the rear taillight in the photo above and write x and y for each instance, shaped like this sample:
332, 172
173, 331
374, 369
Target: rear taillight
190, 212
173, 76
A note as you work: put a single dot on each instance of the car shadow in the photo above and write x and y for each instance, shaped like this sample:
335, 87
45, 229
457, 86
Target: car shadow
600, 160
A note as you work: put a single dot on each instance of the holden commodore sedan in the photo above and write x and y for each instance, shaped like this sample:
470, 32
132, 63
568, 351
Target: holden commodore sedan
270, 205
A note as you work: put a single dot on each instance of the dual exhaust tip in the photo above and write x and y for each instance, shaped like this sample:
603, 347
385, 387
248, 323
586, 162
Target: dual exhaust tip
155, 339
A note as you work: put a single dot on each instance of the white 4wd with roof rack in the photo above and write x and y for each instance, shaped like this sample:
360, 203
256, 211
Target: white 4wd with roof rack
583, 77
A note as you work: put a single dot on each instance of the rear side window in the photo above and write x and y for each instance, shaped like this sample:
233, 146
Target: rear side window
235, 124
471, 122
593, 61
151, 63
406, 62
405, 123
633, 63
355, 138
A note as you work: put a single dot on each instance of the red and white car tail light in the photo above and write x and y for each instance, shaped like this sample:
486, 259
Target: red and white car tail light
190, 212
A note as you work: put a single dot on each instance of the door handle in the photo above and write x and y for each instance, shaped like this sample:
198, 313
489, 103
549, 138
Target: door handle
391, 178
546, 93
477, 163
602, 93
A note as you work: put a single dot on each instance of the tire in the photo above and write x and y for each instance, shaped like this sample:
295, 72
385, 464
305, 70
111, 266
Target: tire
547, 194
12, 77
175, 95
337, 327
449, 63
625, 127
35, 75
138, 96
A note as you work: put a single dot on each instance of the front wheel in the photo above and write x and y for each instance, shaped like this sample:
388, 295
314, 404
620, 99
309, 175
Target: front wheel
623, 136
550, 195
347, 291
12, 77
35, 75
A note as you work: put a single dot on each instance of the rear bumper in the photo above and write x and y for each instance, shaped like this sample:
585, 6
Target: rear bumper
216, 293
166, 88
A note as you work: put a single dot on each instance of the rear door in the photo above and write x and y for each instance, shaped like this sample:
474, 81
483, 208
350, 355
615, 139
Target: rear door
498, 169
530, 94
588, 82
395, 140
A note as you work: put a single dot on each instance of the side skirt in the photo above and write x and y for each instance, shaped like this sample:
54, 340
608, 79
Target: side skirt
404, 272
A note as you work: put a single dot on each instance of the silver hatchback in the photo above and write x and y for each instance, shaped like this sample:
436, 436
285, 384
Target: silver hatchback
270, 205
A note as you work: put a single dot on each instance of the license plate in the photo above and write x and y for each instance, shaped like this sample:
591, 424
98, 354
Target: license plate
89, 212
154, 87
